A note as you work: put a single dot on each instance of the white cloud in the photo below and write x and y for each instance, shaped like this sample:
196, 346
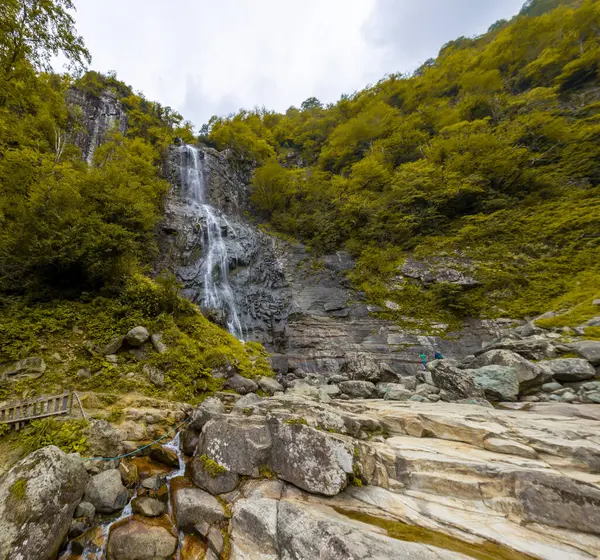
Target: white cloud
203, 58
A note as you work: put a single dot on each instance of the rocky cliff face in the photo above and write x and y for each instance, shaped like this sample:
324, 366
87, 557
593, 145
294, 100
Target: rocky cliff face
98, 114
300, 307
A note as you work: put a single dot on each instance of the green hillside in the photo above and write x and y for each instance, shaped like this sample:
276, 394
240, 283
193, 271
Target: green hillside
490, 153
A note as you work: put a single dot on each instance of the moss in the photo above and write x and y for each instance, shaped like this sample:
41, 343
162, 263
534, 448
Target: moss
212, 467
295, 421
68, 435
266, 472
18, 489
4, 429
411, 533
115, 416
248, 411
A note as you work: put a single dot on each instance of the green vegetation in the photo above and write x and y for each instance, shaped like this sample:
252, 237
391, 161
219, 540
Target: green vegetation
68, 435
488, 155
266, 472
411, 533
296, 421
18, 489
212, 467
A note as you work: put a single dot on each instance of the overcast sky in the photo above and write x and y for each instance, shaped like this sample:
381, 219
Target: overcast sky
203, 57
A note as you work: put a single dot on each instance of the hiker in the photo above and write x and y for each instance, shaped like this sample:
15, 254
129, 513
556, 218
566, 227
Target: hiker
423, 360
438, 356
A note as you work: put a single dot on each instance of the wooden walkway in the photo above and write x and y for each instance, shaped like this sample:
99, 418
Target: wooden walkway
17, 414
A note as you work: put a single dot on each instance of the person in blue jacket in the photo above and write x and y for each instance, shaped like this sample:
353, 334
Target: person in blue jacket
423, 357
438, 356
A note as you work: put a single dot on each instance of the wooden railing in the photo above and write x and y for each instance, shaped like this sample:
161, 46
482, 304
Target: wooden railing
17, 414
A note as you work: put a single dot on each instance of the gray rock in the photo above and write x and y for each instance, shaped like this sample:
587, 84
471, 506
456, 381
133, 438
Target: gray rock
269, 385
363, 368
594, 322
570, 369
83, 373
592, 397
189, 442
137, 336
396, 393
113, 346
193, 505
154, 375
77, 528
38, 497
105, 491
457, 383
158, 344
163, 455
112, 358
440, 270
153, 482
411, 382
529, 375
315, 461
135, 540
215, 539
254, 526
279, 364
568, 397
28, 368
497, 382
551, 387
587, 349
85, 509
591, 385
149, 507
209, 409
241, 385
103, 439
213, 480
358, 389
241, 444
532, 348
247, 401
426, 389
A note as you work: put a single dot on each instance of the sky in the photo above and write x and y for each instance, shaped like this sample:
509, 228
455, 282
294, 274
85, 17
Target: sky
205, 58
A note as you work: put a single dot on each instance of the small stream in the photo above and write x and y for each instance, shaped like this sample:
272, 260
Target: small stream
92, 545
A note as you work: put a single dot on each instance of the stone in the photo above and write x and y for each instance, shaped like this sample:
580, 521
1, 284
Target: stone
158, 344
215, 539
529, 375
457, 383
592, 397
77, 528
28, 368
209, 409
551, 387
149, 507
129, 473
316, 461
112, 358
570, 369
531, 348
411, 382
113, 346
189, 442
269, 385
83, 373
241, 444
212, 477
106, 492
363, 368
247, 401
418, 398
241, 385
254, 527
164, 455
103, 439
193, 505
279, 364
497, 382
154, 375
591, 385
568, 397
38, 497
509, 447
137, 336
153, 482
135, 540
397, 393
440, 270
358, 389
85, 509
425, 389
587, 349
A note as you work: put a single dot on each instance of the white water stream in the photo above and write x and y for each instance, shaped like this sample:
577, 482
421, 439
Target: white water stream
214, 267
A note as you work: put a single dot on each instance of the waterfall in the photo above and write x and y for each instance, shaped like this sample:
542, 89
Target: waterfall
216, 292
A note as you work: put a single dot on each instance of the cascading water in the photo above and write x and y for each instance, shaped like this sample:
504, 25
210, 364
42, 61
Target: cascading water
214, 269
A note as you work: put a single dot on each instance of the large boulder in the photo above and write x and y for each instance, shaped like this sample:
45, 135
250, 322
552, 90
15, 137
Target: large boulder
570, 369
358, 389
28, 368
316, 461
209, 409
456, 383
105, 491
103, 439
529, 375
164, 455
499, 383
193, 507
241, 385
149, 507
135, 540
588, 349
137, 336
212, 477
363, 368
38, 497
254, 529
240, 444
532, 348
270, 385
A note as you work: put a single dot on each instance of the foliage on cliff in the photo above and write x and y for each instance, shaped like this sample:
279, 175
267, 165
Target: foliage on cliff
490, 152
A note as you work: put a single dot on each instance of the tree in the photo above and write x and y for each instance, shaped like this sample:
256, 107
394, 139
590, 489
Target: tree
311, 103
37, 30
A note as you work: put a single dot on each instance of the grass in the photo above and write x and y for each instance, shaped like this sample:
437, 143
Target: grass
18, 489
